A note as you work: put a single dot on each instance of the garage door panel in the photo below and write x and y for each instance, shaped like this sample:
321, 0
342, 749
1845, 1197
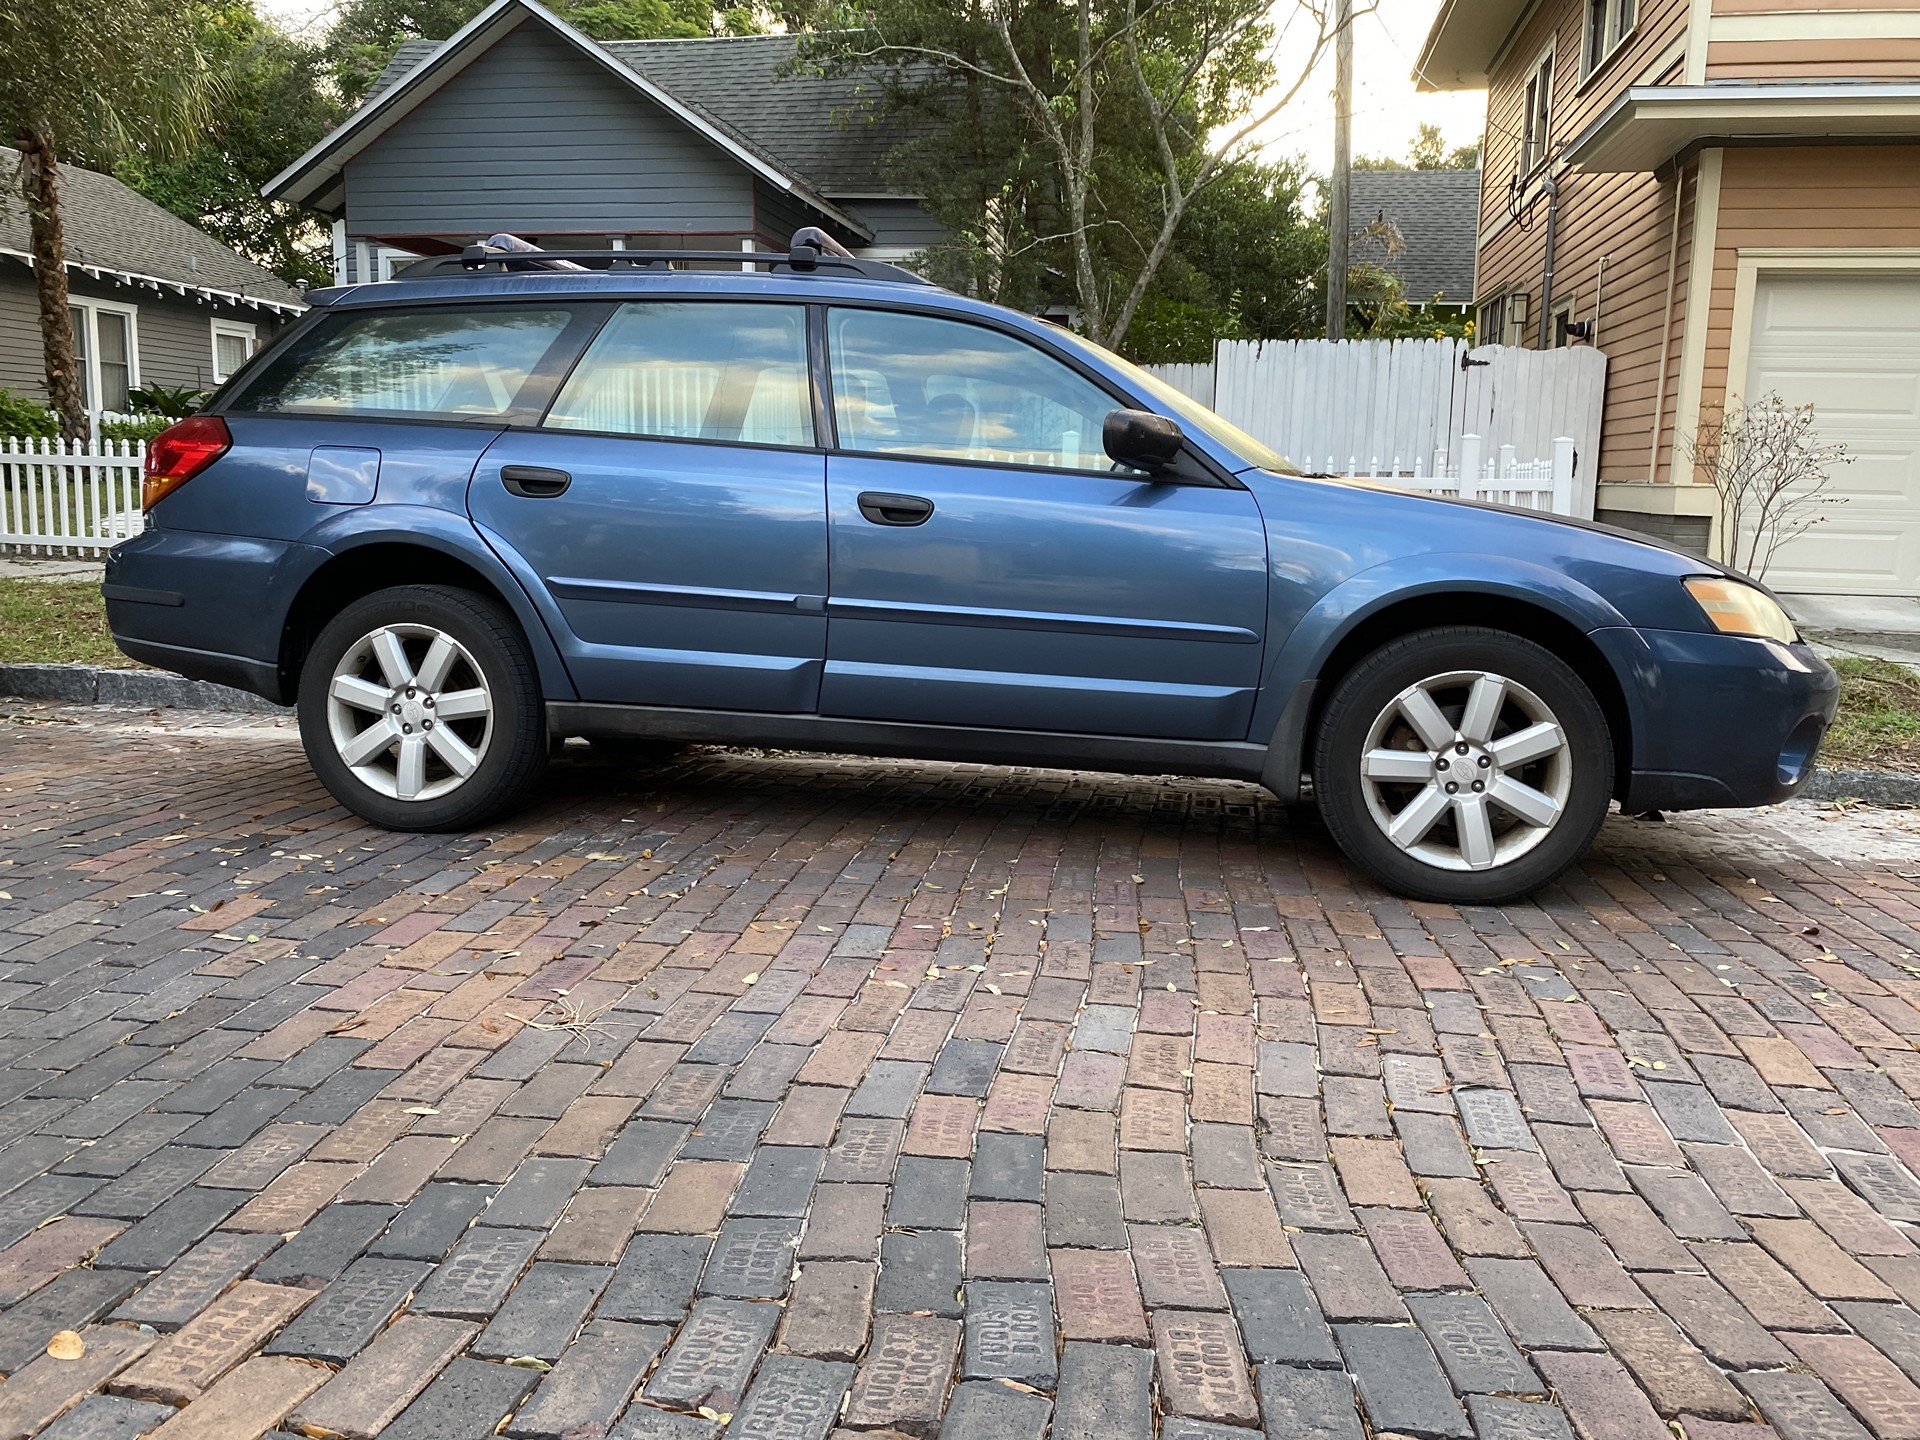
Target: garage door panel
1849, 345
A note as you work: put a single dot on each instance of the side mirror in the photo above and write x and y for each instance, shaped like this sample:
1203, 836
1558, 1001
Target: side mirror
1142, 440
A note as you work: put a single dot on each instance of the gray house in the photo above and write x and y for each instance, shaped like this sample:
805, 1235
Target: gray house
521, 123
155, 301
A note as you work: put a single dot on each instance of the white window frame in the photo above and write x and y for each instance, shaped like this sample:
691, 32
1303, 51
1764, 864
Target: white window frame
1535, 149
1510, 308
237, 329
90, 308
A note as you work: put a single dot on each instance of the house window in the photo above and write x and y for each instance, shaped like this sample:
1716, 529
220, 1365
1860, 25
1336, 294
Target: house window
1563, 323
233, 343
1608, 23
1537, 123
1503, 320
106, 350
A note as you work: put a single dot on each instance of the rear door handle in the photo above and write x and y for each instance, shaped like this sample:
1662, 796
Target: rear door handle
534, 482
886, 509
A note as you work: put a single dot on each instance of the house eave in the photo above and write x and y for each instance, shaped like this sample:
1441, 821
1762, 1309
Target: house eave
1648, 126
161, 285
1467, 36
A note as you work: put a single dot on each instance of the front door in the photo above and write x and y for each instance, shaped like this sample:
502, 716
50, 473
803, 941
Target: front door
990, 565
672, 508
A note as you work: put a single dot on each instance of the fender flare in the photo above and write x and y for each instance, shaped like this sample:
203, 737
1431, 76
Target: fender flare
1294, 670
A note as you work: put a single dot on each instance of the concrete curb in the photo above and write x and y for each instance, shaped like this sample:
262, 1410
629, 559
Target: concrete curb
135, 689
1879, 787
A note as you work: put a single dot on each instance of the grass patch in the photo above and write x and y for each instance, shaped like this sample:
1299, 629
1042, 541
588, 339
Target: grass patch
55, 621
1878, 727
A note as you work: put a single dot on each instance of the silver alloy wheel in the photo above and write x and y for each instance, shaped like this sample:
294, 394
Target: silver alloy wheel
1466, 770
410, 712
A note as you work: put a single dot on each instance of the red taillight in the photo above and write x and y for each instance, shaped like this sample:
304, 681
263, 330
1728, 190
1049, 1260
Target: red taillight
180, 452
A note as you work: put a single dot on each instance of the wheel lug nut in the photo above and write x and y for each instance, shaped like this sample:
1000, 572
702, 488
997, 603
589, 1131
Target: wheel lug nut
410, 696
1451, 787
1459, 749
396, 709
1485, 761
408, 730
428, 702
428, 725
1479, 785
1440, 764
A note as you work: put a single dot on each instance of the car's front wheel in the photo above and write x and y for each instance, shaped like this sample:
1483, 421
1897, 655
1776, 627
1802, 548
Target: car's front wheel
1463, 764
420, 709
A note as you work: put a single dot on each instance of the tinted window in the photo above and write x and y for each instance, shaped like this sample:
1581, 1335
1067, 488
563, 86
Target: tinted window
455, 364
915, 385
696, 371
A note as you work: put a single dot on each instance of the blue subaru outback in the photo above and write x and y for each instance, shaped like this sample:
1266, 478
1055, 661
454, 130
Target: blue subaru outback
810, 501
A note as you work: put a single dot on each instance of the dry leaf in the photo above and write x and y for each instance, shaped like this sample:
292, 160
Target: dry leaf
66, 1345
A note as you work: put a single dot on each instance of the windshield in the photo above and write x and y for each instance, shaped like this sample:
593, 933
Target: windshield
1190, 411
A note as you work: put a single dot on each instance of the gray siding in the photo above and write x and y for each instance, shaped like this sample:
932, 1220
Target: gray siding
897, 222
174, 335
531, 137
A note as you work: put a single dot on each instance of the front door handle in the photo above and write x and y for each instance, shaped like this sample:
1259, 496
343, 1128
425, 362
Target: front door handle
885, 509
534, 482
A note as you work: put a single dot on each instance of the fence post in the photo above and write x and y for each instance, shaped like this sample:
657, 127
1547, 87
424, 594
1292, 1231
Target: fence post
1469, 466
1505, 468
1563, 475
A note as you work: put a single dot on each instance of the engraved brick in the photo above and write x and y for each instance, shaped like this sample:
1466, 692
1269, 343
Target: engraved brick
254, 1397
1097, 1296
1010, 1333
186, 1364
1203, 1370
1176, 1268
713, 1355
383, 1379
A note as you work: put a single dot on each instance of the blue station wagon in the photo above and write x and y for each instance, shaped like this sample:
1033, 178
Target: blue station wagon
798, 499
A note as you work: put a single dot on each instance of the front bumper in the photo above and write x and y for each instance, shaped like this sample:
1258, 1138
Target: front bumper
1718, 720
210, 607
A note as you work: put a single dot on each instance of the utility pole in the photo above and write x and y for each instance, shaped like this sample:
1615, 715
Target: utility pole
1339, 228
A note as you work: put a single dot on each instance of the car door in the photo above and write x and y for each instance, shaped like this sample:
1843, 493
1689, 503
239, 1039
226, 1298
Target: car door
671, 510
991, 566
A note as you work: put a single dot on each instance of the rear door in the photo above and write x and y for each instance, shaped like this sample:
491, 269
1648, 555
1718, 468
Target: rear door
671, 507
992, 567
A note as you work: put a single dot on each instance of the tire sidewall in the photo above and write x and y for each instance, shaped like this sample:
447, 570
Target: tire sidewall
492, 639
1371, 686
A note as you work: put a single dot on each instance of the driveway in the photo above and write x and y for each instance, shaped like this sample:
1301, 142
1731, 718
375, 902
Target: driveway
938, 1099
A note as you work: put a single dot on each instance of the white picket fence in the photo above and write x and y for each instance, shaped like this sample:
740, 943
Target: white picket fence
69, 498
1366, 398
1503, 478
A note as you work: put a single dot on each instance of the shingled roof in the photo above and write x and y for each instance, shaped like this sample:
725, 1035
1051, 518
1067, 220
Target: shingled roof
817, 125
1436, 213
115, 230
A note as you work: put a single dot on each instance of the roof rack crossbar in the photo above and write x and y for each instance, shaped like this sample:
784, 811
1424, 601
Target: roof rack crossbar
801, 260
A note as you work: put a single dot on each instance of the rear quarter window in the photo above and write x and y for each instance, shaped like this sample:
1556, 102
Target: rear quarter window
452, 364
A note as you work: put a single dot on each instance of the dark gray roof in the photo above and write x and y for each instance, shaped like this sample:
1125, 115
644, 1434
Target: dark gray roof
1436, 213
113, 227
817, 126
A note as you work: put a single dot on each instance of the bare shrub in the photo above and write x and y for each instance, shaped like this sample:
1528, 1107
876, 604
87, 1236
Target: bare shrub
1769, 469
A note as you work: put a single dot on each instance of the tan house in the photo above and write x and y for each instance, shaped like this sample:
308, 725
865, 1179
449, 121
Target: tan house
1724, 196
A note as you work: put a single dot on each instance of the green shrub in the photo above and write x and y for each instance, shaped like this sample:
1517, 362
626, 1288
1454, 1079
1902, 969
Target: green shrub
173, 402
143, 428
25, 418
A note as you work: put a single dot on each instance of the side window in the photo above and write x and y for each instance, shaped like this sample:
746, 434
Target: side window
451, 364
916, 385
695, 370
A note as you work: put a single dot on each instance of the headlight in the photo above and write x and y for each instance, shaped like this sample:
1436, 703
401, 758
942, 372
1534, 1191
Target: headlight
1739, 609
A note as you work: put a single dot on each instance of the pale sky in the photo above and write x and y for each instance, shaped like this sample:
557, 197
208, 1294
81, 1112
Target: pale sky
1387, 110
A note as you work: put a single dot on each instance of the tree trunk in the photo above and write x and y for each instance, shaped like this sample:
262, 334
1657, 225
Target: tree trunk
40, 184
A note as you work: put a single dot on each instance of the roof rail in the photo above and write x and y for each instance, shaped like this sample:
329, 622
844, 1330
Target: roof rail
503, 254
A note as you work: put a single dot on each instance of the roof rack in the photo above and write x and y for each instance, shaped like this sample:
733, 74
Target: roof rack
495, 257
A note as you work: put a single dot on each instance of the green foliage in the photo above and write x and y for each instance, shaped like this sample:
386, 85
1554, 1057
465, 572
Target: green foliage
171, 402
275, 106
1878, 726
55, 621
22, 417
142, 428
1427, 151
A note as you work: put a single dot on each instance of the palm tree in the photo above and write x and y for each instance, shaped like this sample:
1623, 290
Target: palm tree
93, 79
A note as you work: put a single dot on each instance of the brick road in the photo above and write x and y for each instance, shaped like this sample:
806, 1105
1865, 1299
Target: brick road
930, 1099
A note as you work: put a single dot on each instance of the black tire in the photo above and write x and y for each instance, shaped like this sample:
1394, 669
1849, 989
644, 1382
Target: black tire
511, 745
1357, 811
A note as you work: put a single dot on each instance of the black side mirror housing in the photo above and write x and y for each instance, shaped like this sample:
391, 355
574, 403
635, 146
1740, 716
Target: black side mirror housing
1142, 440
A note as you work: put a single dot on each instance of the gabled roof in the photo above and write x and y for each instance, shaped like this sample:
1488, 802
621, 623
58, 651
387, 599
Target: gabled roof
114, 231
1437, 215
316, 177
817, 124
1465, 38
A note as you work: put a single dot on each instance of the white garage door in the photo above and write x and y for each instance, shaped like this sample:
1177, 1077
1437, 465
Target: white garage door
1849, 344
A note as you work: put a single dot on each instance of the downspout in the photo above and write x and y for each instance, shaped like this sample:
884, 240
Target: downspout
1666, 331
1546, 272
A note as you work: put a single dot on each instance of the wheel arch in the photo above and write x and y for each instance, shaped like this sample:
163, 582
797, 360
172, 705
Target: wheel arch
380, 562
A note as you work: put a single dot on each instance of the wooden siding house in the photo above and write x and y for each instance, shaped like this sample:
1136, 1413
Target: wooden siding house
520, 123
1724, 196
155, 301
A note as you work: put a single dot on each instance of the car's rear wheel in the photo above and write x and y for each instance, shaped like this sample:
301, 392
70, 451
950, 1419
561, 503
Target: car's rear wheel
420, 709
1463, 764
